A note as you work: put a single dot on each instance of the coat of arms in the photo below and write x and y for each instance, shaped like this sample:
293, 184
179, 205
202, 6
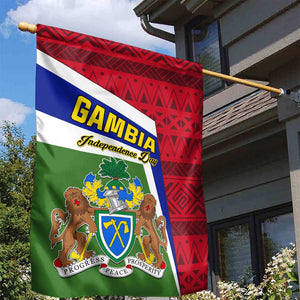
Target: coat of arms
119, 215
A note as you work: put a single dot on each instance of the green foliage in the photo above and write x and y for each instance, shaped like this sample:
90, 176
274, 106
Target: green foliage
16, 188
280, 279
279, 282
113, 169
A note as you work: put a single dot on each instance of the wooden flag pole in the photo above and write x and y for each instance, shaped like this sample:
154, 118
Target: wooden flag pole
244, 82
32, 28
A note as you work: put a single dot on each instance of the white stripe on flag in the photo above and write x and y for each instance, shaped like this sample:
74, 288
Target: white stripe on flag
95, 91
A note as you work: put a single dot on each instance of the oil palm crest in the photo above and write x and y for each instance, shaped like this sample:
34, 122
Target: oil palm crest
114, 169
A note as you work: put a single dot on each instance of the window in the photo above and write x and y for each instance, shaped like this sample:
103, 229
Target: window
277, 232
204, 48
240, 248
234, 253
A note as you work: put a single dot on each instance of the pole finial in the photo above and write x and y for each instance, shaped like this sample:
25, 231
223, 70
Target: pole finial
24, 26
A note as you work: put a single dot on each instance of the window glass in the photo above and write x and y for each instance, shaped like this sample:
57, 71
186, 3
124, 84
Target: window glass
235, 254
277, 232
206, 51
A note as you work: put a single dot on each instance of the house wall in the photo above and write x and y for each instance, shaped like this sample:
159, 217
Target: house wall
264, 46
249, 178
262, 31
259, 40
262, 42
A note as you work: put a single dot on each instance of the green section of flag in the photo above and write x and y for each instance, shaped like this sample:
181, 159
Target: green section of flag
57, 169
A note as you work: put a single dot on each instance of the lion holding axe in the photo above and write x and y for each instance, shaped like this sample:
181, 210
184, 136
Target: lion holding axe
79, 212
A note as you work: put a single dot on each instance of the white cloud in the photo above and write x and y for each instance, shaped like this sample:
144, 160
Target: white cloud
13, 111
110, 19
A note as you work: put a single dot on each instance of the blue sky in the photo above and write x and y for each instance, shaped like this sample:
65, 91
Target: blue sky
17, 75
110, 19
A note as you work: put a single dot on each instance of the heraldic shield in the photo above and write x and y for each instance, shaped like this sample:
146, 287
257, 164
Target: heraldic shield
115, 233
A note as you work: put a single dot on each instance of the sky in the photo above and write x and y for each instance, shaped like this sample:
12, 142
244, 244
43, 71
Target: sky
110, 19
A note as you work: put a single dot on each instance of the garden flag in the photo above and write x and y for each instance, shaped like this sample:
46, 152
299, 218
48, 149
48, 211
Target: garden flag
118, 206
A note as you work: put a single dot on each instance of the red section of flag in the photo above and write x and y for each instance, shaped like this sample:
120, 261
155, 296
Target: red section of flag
169, 91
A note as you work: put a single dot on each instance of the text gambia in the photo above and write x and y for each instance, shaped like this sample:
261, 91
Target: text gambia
84, 113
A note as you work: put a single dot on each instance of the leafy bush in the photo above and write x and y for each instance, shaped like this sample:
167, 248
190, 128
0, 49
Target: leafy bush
279, 282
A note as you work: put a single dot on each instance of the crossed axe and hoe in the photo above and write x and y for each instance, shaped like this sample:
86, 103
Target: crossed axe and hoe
112, 222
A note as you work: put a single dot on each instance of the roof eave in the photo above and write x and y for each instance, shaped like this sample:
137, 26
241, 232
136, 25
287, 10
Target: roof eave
145, 7
172, 12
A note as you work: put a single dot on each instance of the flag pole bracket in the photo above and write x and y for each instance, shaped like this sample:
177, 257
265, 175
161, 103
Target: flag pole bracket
295, 96
290, 95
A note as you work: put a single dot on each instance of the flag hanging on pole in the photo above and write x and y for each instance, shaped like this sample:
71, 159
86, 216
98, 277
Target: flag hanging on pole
118, 207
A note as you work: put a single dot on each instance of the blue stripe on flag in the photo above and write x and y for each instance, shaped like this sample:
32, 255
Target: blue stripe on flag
57, 97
